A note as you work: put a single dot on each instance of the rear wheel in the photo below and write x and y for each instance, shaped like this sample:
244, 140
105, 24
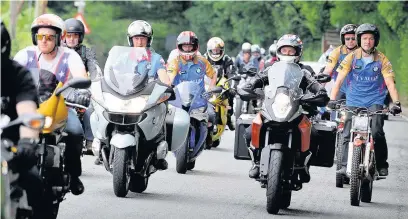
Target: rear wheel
238, 108
138, 183
286, 198
339, 156
366, 191
121, 172
216, 143
355, 181
274, 183
191, 165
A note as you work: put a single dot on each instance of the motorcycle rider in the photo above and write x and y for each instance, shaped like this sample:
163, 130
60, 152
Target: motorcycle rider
48, 32
370, 71
188, 66
349, 44
175, 52
216, 56
73, 40
256, 53
19, 97
273, 58
244, 58
289, 49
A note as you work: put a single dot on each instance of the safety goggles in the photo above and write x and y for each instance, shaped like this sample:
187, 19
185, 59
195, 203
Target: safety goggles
72, 35
48, 37
350, 38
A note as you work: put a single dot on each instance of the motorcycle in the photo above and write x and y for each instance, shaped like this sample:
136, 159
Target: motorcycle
51, 149
129, 120
241, 106
14, 202
220, 102
191, 98
281, 130
361, 164
339, 116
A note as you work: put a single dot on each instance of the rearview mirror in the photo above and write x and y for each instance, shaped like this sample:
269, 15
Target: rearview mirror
31, 120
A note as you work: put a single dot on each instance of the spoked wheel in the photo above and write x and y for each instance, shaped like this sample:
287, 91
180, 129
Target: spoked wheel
355, 180
339, 156
121, 172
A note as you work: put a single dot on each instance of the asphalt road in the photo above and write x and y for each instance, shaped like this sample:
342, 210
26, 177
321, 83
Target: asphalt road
219, 187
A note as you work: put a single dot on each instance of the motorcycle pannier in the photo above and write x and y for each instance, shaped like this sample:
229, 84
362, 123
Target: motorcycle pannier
240, 148
323, 143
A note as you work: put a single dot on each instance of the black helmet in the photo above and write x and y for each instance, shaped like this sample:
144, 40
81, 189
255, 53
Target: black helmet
73, 25
347, 29
5, 42
368, 28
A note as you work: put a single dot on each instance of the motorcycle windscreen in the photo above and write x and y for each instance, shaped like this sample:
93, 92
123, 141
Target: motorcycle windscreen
283, 74
283, 91
188, 94
126, 69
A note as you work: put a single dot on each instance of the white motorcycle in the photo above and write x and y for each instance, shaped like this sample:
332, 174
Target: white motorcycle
129, 121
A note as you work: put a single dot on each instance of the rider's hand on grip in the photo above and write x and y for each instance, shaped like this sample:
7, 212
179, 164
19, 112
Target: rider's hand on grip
332, 104
79, 96
26, 154
396, 109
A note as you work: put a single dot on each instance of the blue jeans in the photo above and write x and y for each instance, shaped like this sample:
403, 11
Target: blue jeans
87, 123
73, 142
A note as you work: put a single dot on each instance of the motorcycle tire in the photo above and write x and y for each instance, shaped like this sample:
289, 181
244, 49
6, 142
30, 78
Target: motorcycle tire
339, 156
216, 143
366, 191
355, 181
138, 183
121, 174
182, 158
274, 183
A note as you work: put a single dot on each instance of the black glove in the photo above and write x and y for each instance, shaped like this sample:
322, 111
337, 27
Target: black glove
79, 96
396, 109
332, 104
26, 154
232, 92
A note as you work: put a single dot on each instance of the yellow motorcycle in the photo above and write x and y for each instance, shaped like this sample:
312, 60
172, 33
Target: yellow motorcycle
52, 144
220, 102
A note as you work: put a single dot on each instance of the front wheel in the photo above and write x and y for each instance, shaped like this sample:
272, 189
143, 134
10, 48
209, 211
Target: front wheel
121, 172
216, 143
274, 183
339, 156
355, 181
182, 158
366, 191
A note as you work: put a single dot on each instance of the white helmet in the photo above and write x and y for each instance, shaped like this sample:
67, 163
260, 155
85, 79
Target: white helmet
292, 41
246, 47
272, 50
140, 28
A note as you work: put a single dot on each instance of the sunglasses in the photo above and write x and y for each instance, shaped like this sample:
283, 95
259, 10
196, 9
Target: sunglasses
350, 38
48, 37
72, 35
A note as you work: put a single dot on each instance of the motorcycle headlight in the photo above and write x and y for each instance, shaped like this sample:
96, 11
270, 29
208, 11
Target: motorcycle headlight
282, 105
134, 105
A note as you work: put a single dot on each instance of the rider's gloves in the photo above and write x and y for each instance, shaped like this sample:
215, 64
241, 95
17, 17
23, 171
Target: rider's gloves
26, 154
332, 104
396, 109
79, 96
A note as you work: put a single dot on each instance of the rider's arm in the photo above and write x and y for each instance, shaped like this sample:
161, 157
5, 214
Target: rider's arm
92, 64
172, 69
161, 71
332, 61
26, 98
209, 71
75, 64
389, 77
343, 70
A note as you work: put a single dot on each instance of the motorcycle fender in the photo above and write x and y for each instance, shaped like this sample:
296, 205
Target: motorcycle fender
154, 121
265, 156
178, 125
123, 140
98, 123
